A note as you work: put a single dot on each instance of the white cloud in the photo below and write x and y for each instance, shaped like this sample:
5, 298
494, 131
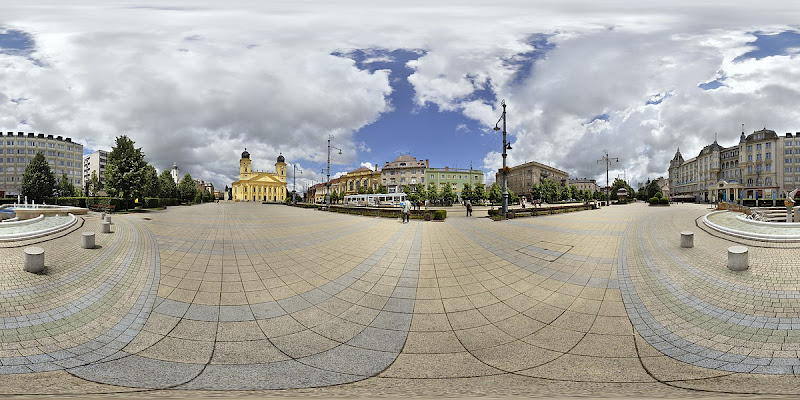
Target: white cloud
197, 85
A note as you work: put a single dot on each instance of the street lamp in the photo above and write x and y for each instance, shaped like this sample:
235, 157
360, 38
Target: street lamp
607, 160
294, 183
506, 146
328, 184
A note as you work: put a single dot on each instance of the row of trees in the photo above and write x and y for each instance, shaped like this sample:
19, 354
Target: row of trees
128, 176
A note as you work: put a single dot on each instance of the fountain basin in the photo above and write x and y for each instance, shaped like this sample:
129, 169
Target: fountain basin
29, 212
35, 227
736, 224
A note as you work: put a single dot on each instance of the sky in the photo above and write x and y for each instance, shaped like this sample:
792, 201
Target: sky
197, 82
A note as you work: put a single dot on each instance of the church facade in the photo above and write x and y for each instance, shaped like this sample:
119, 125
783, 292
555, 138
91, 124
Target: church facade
260, 185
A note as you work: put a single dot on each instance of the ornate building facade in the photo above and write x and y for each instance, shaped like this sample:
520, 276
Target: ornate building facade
260, 185
760, 166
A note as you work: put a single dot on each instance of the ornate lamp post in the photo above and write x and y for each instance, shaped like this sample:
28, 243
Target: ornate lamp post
328, 183
506, 146
607, 160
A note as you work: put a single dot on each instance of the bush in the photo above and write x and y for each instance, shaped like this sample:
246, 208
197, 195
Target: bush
105, 201
494, 213
659, 195
68, 201
439, 215
653, 200
152, 202
427, 216
664, 201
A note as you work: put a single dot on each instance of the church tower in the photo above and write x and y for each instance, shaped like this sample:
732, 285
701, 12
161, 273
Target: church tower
280, 166
244, 164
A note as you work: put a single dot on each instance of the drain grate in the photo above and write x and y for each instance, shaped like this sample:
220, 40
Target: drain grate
546, 251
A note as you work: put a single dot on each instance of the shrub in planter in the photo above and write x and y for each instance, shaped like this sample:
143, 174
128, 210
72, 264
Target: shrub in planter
439, 215
427, 216
494, 213
510, 215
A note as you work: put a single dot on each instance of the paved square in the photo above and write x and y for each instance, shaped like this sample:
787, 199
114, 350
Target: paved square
241, 296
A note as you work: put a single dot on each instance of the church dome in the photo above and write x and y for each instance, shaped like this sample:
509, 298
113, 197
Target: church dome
245, 154
281, 159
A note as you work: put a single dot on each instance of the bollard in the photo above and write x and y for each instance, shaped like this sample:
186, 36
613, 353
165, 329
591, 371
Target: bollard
737, 258
34, 259
87, 240
106, 227
687, 239
107, 218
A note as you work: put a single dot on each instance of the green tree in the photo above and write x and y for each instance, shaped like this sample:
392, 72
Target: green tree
166, 186
466, 192
620, 184
150, 184
362, 190
536, 192
38, 181
447, 195
651, 189
125, 170
479, 194
495, 194
186, 189
65, 189
382, 189
94, 184
512, 198
432, 194
370, 190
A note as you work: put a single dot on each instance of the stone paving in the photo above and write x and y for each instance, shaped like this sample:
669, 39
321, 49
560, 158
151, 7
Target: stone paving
268, 300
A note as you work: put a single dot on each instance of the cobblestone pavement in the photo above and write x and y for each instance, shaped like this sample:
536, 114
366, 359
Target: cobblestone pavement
267, 300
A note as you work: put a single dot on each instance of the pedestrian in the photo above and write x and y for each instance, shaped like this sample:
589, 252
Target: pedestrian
406, 211
469, 208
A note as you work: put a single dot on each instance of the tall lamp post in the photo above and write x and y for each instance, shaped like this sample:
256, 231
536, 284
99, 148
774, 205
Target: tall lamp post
328, 183
294, 183
506, 146
607, 160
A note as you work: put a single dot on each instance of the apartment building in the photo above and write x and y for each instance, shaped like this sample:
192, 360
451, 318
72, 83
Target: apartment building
18, 149
584, 184
456, 178
522, 177
95, 162
404, 170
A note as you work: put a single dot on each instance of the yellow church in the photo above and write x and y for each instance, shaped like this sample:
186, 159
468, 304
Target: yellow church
260, 185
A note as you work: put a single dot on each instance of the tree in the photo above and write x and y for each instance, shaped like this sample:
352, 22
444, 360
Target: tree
65, 189
651, 190
495, 194
479, 194
150, 184
382, 189
38, 181
362, 190
167, 189
536, 191
466, 192
186, 189
620, 184
512, 198
432, 194
94, 184
125, 170
370, 190
447, 195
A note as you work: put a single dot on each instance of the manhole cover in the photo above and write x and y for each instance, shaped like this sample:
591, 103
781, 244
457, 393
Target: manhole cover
545, 250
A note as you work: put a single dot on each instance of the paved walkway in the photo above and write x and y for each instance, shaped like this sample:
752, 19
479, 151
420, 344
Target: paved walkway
295, 302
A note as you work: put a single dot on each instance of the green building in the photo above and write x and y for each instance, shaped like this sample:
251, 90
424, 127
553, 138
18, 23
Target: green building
454, 177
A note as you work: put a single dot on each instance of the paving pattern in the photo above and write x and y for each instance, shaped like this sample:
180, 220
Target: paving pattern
250, 297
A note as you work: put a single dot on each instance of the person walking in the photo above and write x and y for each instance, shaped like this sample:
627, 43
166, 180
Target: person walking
406, 210
469, 208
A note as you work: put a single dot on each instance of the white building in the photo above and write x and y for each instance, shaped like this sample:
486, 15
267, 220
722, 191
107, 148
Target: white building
18, 150
95, 162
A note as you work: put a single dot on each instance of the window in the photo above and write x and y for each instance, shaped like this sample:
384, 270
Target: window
750, 169
768, 156
769, 167
750, 148
31, 143
31, 151
20, 160
768, 145
749, 157
787, 160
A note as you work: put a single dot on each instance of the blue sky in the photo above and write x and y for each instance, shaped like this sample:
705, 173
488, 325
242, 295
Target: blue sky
196, 85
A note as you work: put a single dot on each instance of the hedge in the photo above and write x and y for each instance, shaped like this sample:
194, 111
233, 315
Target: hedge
67, 201
439, 215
